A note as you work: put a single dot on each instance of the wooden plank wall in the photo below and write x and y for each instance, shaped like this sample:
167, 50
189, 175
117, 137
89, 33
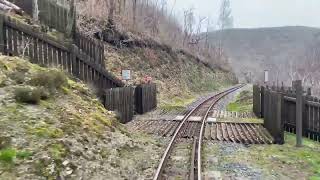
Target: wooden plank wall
122, 101
273, 104
145, 98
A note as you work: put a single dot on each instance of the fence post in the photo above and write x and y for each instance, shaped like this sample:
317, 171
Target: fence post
2, 33
262, 100
299, 109
279, 117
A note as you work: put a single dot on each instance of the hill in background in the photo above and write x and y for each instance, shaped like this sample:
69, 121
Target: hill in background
277, 49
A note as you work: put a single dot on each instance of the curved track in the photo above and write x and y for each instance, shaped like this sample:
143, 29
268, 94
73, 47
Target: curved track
203, 110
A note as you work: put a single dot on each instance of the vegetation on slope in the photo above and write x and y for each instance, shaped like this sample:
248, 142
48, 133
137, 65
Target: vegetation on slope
54, 127
242, 103
178, 76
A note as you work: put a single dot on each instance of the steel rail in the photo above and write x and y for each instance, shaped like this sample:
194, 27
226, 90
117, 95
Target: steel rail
186, 117
203, 127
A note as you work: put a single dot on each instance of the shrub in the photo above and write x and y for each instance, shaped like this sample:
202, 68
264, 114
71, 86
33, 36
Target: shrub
18, 77
52, 79
27, 95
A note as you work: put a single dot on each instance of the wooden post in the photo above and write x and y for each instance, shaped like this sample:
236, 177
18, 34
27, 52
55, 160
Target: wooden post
2, 33
262, 90
309, 91
299, 108
279, 139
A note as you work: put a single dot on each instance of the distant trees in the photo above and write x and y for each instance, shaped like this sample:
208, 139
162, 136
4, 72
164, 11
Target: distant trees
151, 18
225, 20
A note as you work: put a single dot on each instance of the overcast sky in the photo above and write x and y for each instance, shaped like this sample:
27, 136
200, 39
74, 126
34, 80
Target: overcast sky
258, 13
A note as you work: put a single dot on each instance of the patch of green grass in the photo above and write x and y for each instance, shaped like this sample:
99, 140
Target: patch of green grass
46, 132
243, 102
23, 154
7, 155
287, 159
57, 151
177, 103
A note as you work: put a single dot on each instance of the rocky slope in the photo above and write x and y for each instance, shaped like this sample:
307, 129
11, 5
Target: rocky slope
53, 127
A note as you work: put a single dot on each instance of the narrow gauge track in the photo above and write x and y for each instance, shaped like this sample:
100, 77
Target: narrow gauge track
203, 109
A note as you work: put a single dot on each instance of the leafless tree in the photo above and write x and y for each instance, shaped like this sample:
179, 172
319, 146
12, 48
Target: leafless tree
35, 10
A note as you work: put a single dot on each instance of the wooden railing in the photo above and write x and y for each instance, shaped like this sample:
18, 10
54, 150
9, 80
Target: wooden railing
56, 16
288, 111
23, 40
50, 13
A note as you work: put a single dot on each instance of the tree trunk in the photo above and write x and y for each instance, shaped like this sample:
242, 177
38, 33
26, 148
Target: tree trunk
134, 10
35, 10
71, 27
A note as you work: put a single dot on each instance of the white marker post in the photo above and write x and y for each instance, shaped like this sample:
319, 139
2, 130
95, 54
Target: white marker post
266, 76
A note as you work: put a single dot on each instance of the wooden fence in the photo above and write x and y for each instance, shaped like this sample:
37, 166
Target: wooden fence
50, 13
23, 40
121, 100
56, 16
20, 39
145, 98
90, 46
310, 110
128, 100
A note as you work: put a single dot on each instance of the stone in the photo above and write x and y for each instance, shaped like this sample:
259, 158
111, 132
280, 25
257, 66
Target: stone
65, 163
213, 175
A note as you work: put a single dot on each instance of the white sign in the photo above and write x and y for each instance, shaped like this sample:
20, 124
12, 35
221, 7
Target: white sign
266, 76
126, 74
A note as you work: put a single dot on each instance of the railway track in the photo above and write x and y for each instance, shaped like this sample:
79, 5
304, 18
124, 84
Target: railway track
196, 129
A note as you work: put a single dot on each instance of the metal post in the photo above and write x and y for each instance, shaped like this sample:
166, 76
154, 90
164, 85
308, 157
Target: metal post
299, 108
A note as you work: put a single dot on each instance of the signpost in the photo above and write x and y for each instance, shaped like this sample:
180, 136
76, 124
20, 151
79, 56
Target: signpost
126, 75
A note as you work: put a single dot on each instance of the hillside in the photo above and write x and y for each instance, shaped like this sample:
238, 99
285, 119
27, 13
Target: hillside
54, 127
254, 50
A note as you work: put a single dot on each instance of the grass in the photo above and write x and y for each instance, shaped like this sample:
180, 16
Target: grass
286, 161
243, 102
8, 155
177, 103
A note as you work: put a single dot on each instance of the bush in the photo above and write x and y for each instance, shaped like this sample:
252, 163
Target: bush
18, 77
52, 79
27, 95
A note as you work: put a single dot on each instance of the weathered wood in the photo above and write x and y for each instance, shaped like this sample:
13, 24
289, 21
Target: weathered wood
299, 107
2, 34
